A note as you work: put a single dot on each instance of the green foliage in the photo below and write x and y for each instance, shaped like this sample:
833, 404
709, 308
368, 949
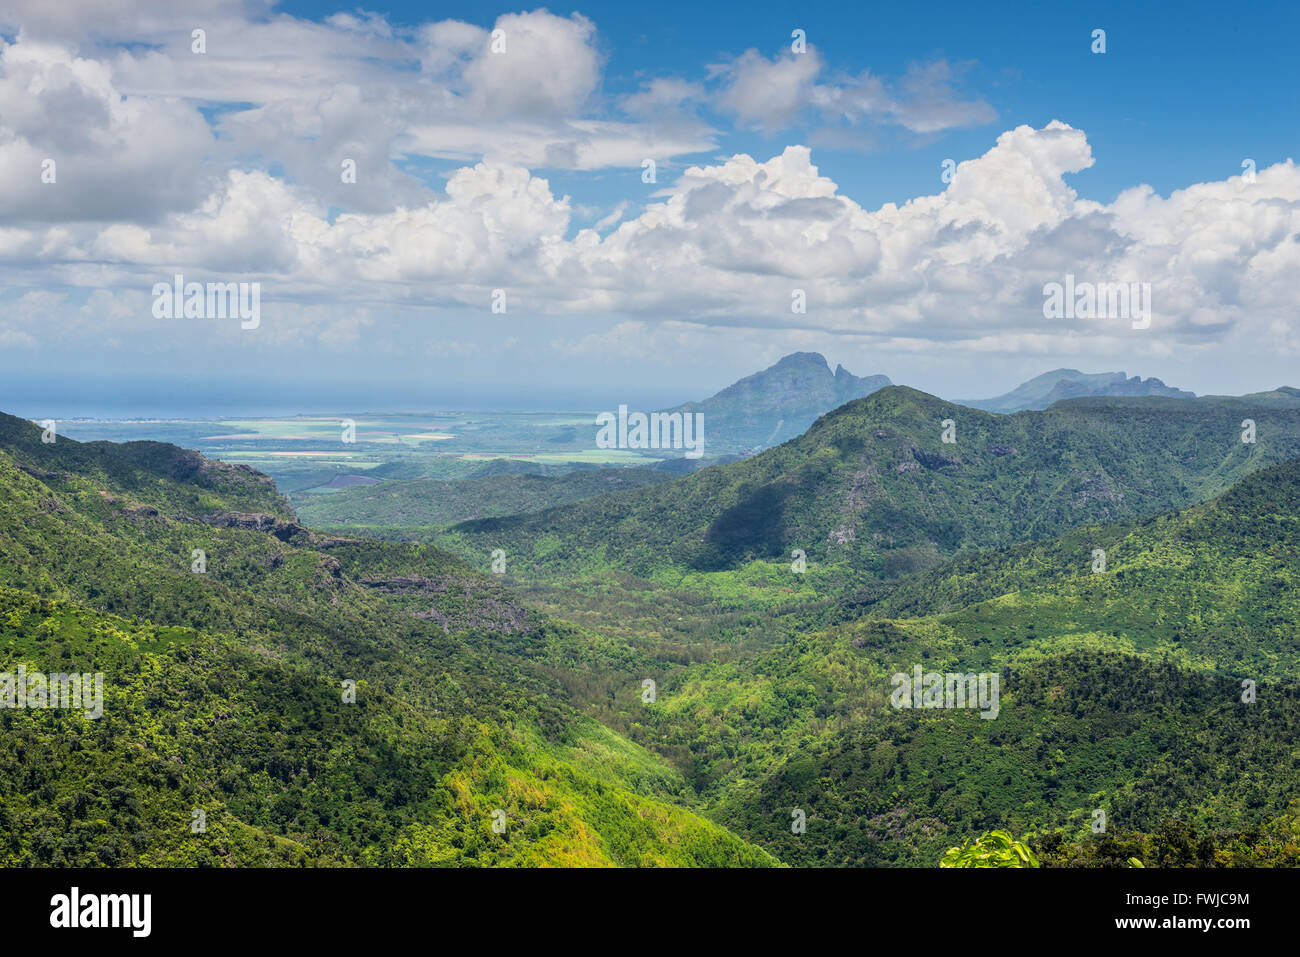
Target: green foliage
1174, 843
1120, 691
1215, 586
874, 477
522, 693
223, 691
994, 849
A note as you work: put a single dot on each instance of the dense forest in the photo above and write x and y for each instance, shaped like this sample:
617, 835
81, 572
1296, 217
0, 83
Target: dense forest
716, 706
226, 690
872, 488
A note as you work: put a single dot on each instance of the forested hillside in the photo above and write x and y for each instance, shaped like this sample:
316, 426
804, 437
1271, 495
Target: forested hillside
1157, 687
1120, 691
873, 487
226, 683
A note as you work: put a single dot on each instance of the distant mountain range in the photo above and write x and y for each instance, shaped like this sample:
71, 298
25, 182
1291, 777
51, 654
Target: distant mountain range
779, 403
1041, 391
872, 485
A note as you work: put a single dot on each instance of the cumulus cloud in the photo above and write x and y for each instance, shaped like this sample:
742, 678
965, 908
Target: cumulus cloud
541, 65
730, 243
139, 130
72, 148
226, 165
770, 93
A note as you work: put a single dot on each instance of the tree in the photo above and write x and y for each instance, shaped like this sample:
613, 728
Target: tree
994, 849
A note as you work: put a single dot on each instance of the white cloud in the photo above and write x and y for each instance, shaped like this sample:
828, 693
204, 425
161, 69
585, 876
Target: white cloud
108, 156
548, 67
126, 129
786, 92
127, 20
663, 96
613, 217
730, 242
147, 187
770, 94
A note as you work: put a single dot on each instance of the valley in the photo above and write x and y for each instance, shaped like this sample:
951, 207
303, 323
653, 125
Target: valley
635, 666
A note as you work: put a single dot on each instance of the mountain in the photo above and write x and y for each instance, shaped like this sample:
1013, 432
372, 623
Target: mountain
1120, 690
873, 487
1215, 586
229, 637
1041, 391
1283, 395
772, 406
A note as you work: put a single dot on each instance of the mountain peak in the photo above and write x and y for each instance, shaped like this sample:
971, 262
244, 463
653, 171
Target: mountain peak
801, 358
1043, 390
780, 402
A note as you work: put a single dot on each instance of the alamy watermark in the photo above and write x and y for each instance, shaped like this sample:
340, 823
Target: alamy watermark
75, 909
213, 300
1101, 300
936, 690
35, 690
658, 430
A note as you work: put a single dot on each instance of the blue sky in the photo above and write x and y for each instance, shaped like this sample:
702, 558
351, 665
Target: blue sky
1183, 93
521, 172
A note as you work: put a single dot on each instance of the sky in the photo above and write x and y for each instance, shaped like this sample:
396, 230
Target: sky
451, 205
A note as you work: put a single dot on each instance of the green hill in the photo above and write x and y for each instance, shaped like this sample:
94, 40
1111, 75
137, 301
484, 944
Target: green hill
1121, 691
778, 403
170, 478
873, 488
1216, 586
223, 690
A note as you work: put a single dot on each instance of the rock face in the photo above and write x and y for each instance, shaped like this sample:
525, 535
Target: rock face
43, 476
259, 522
455, 602
777, 404
934, 460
